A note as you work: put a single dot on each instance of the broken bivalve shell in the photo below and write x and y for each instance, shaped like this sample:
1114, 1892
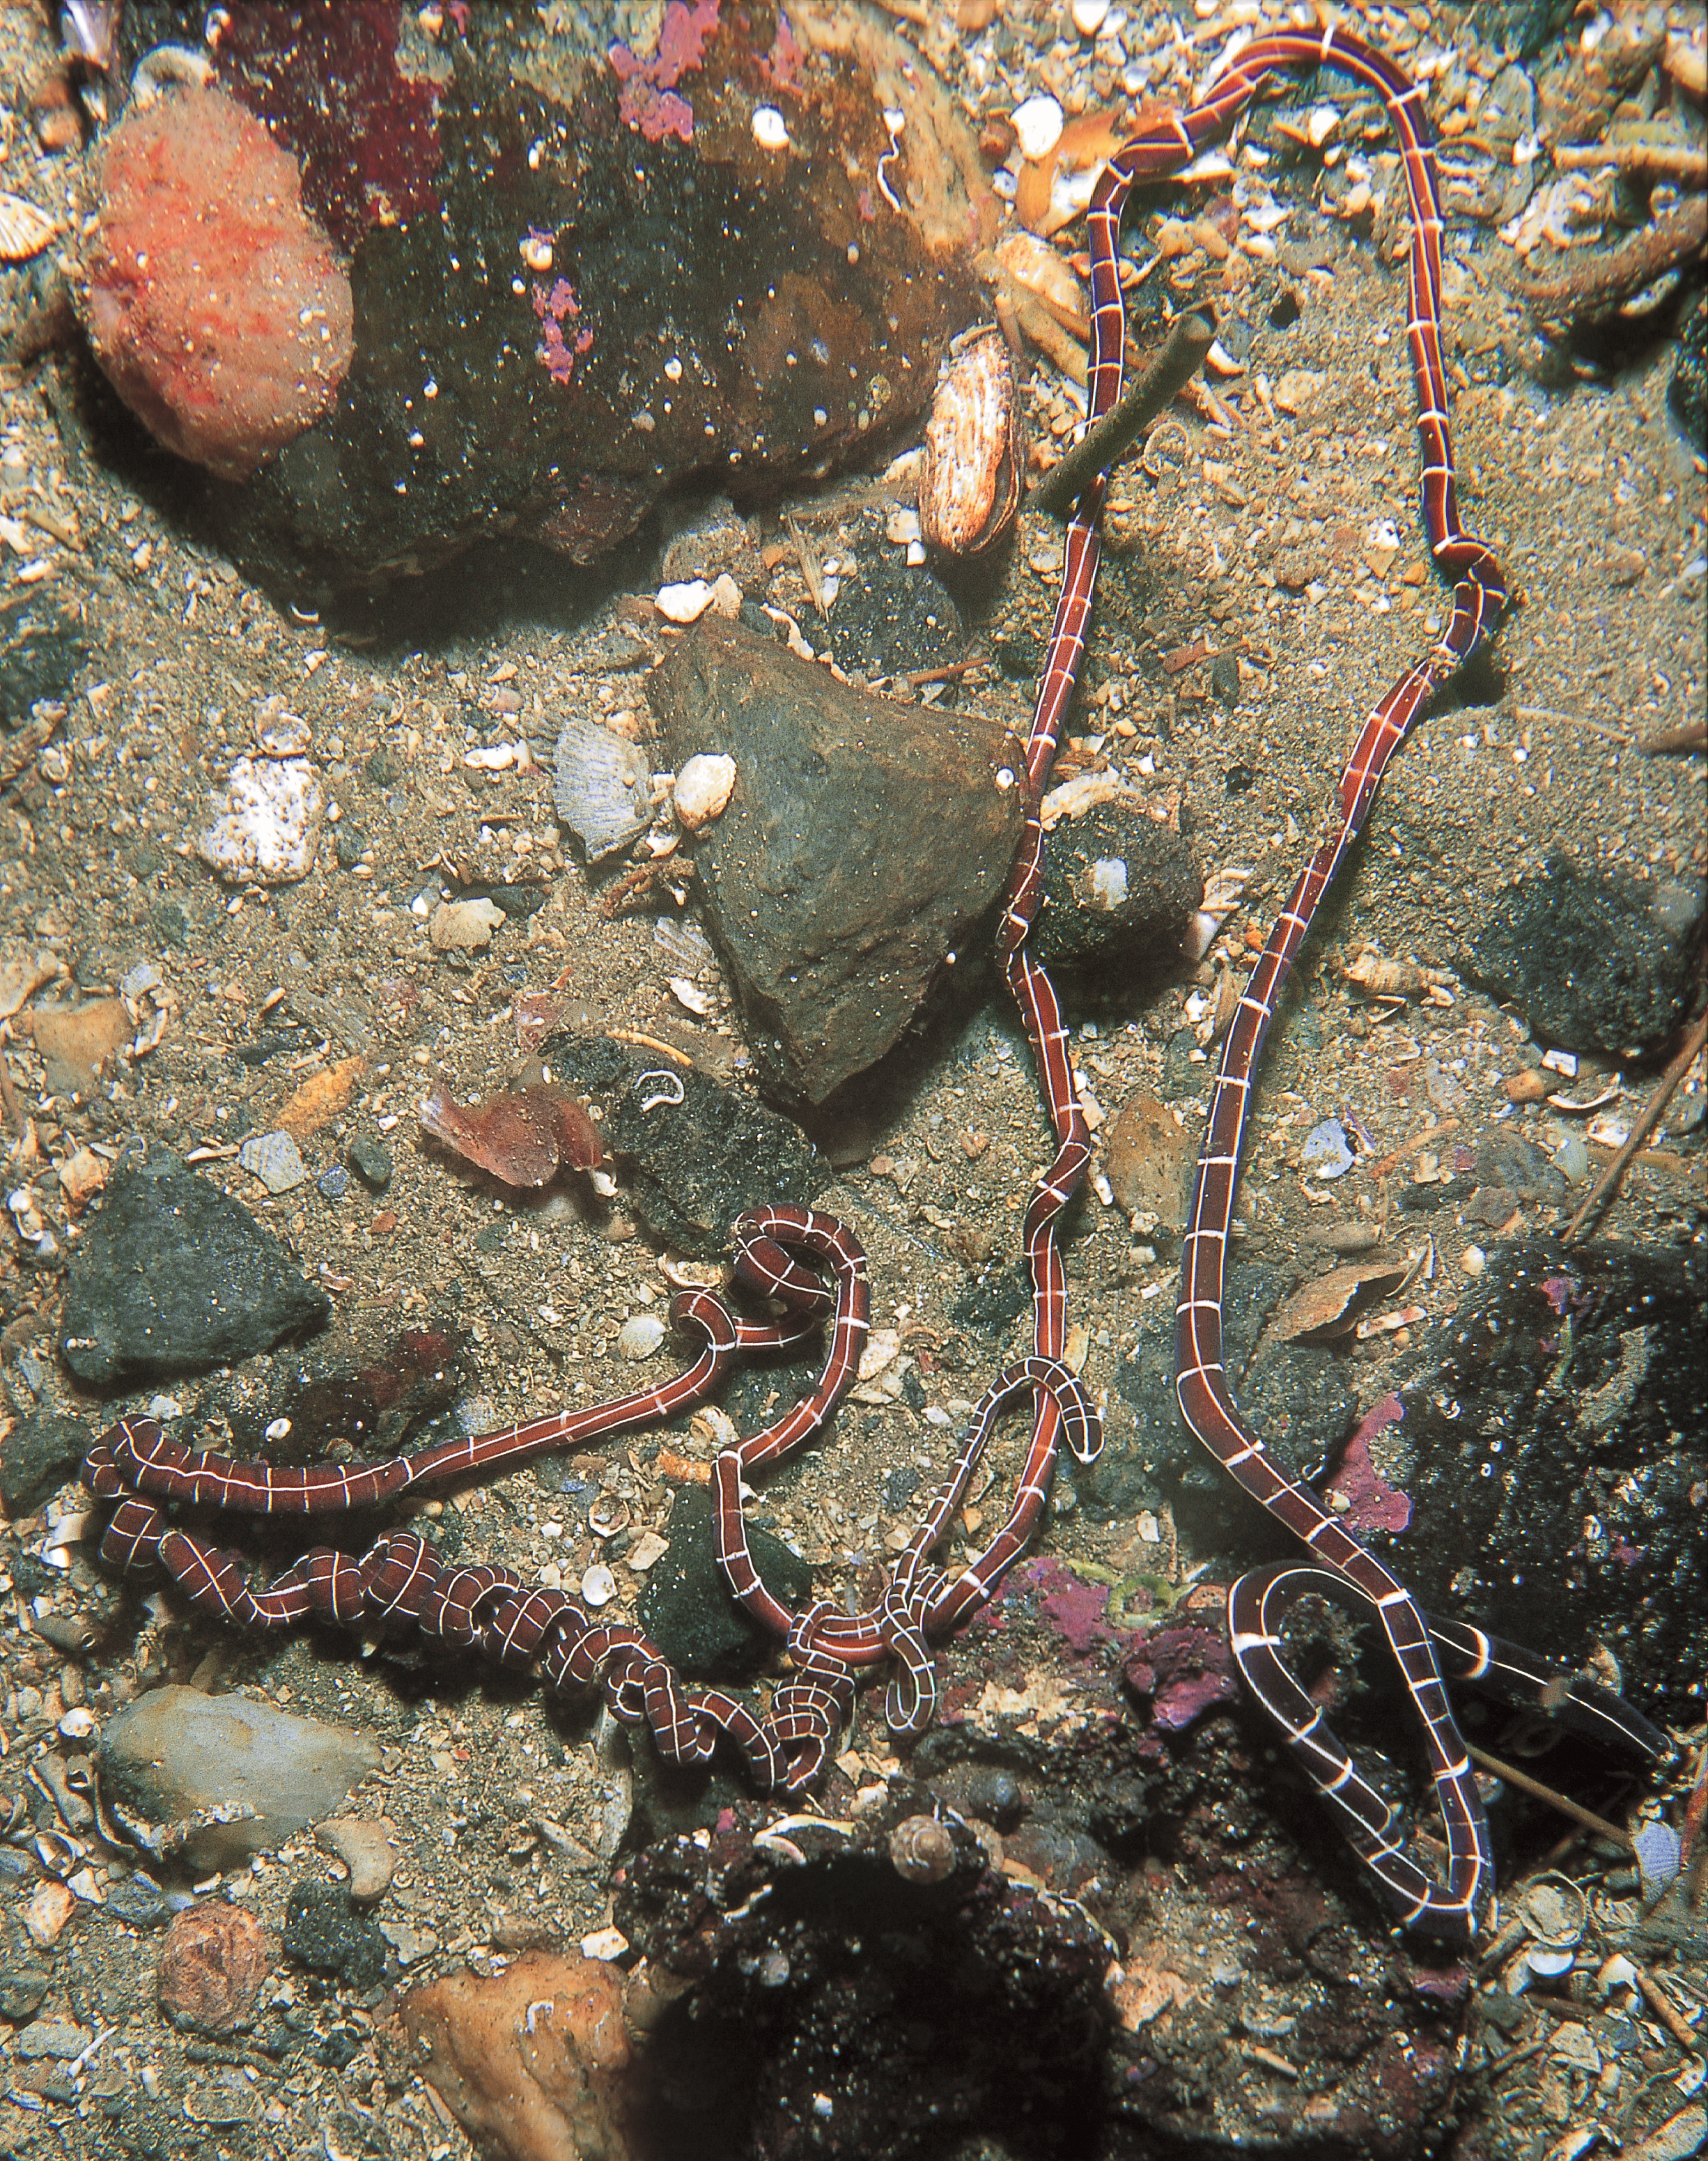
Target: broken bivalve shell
608, 1515
969, 486
601, 787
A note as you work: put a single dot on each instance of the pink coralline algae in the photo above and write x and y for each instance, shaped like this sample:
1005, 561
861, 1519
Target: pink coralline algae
1184, 1671
1371, 1503
554, 308
648, 100
1076, 1608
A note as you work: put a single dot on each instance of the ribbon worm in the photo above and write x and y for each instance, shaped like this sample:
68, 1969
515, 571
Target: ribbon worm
787, 1254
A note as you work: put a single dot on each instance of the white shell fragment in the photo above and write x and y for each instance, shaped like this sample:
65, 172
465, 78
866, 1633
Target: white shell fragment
640, 1338
274, 1159
267, 822
684, 602
1089, 15
598, 1584
24, 229
704, 787
970, 485
770, 128
464, 926
1038, 122
602, 788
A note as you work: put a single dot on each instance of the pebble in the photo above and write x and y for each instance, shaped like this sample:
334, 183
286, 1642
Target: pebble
324, 1932
372, 1160
529, 2060
213, 1961
175, 1755
139, 1899
50, 1907
367, 1847
333, 1183
56, 2037
1471, 1260
1038, 122
275, 1160
266, 822
683, 603
1149, 1160
704, 787
39, 1454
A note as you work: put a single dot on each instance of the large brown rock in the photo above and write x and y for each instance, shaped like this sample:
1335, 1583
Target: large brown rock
863, 844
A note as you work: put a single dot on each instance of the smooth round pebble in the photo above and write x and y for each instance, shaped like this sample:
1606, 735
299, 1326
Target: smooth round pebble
770, 129
79, 1724
640, 1338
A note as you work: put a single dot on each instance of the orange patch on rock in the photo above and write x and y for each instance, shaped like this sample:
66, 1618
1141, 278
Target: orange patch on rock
214, 304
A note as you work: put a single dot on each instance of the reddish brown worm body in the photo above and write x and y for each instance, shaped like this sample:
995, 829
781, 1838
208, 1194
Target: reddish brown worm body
787, 1253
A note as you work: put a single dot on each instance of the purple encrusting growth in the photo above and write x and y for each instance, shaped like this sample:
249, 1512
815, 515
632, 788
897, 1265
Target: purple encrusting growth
1371, 1504
648, 100
1184, 1671
554, 307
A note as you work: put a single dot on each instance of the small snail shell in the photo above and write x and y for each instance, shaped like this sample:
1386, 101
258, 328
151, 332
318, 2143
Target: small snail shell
970, 485
922, 1850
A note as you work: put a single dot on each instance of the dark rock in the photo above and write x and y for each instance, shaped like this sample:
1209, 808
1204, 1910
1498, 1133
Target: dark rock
687, 1609
1297, 1396
829, 889
170, 924
1119, 889
182, 1760
1519, 29
22, 1988
212, 1964
372, 1161
1592, 962
40, 655
689, 303
173, 1276
137, 1900
1687, 393
1224, 679
325, 1932
694, 1164
38, 1456
890, 617
349, 844
844, 2009
1557, 1434
333, 1182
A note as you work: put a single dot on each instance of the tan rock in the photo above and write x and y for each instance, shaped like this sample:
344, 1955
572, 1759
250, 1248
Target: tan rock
530, 2061
367, 1847
74, 1042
